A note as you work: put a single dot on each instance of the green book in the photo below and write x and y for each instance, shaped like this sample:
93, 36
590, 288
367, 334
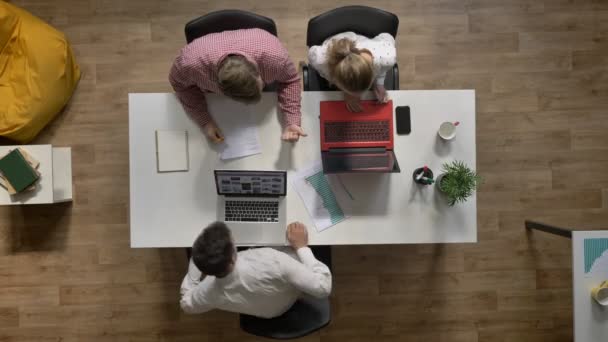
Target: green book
17, 170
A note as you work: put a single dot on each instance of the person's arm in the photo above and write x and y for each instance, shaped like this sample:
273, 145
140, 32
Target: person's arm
380, 78
317, 57
188, 92
193, 292
290, 93
309, 276
385, 56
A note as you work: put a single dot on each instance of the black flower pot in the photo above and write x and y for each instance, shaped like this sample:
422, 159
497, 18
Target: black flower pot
428, 174
438, 182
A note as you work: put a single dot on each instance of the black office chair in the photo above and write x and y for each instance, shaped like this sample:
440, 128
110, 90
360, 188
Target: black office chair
363, 20
306, 316
227, 20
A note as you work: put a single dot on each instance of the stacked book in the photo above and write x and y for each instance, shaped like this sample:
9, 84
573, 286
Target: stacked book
18, 171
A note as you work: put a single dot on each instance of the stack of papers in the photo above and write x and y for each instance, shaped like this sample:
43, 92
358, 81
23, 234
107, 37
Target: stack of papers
238, 127
321, 198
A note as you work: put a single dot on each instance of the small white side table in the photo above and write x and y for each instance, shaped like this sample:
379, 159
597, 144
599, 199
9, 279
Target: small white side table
55, 184
590, 319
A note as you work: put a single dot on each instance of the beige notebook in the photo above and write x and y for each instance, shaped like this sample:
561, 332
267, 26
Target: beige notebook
171, 151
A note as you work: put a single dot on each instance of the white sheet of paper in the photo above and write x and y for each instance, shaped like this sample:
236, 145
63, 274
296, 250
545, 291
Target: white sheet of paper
326, 200
171, 150
240, 134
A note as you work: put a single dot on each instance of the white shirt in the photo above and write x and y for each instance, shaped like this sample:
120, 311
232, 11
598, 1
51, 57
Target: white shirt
265, 282
382, 48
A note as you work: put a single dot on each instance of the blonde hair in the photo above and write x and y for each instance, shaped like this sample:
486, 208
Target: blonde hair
238, 79
348, 69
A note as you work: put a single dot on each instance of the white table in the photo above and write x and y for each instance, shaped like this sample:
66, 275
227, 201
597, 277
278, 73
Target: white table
55, 184
170, 209
590, 319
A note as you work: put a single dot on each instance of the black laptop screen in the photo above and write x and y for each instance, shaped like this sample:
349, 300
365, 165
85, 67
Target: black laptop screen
251, 183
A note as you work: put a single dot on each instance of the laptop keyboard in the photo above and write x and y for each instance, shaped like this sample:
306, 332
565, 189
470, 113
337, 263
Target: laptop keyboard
359, 131
249, 211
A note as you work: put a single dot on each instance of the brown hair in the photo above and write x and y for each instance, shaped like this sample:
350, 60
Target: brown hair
238, 79
348, 69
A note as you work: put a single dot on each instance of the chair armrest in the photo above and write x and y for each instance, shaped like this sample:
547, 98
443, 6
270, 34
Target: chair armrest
396, 76
305, 77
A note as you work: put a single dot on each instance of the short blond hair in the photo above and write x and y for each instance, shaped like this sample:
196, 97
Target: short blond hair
238, 79
348, 69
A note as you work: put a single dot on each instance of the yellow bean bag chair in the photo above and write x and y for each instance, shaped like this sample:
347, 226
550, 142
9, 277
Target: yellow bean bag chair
38, 73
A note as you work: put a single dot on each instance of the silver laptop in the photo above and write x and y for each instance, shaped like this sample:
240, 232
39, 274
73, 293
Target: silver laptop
252, 203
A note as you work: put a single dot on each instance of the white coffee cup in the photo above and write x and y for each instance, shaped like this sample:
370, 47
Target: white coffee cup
600, 293
447, 130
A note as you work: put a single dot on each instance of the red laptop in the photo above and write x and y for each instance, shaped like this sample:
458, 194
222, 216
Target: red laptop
357, 142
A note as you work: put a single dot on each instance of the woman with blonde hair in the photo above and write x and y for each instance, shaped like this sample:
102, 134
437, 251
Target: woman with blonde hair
354, 64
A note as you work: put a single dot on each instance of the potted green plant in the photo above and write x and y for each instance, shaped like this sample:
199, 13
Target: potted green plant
457, 182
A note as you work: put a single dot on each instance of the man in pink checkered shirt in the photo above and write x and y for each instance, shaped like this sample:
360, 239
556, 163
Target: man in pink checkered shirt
237, 64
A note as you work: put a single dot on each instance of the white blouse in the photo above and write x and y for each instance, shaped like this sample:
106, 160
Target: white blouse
382, 48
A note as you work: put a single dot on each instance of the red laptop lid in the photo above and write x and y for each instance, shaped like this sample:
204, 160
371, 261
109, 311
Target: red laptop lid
340, 128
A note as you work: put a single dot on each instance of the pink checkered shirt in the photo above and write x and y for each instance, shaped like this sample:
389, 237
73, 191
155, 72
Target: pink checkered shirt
194, 71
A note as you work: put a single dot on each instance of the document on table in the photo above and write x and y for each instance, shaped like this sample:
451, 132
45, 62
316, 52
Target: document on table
240, 133
325, 198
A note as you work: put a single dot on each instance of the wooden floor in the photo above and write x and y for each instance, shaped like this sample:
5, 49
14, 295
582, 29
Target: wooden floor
540, 70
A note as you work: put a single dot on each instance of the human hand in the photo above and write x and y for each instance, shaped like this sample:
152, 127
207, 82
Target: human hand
293, 133
353, 103
213, 132
381, 93
297, 235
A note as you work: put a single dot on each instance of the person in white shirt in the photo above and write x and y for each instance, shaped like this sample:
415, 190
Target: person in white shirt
262, 282
354, 63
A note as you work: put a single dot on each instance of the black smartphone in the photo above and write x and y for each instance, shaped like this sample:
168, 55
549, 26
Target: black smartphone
402, 115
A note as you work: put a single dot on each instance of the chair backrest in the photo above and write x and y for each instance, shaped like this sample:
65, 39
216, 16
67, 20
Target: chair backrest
227, 20
306, 316
363, 20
